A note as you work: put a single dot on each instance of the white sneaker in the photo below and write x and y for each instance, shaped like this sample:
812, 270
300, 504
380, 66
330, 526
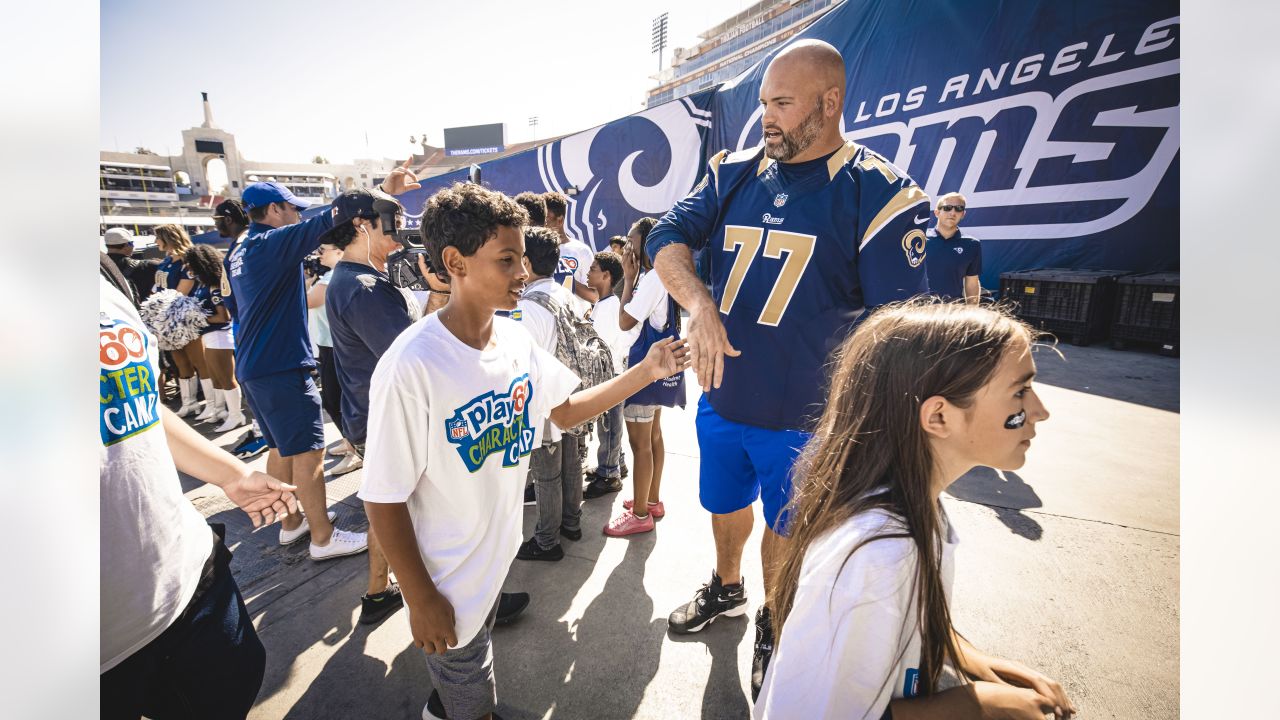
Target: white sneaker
339, 449
231, 423
341, 544
289, 537
349, 462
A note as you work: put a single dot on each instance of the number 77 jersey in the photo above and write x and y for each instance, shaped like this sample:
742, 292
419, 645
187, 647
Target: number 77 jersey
796, 253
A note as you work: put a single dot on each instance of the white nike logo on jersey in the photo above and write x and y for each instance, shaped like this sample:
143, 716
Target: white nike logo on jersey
921, 220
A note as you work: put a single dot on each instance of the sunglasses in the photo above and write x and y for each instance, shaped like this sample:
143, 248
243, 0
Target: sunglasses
948, 208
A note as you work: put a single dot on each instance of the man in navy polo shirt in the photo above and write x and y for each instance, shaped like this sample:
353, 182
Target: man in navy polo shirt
273, 357
955, 259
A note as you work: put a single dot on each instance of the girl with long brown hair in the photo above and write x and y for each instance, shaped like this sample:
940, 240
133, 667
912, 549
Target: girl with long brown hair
172, 274
919, 395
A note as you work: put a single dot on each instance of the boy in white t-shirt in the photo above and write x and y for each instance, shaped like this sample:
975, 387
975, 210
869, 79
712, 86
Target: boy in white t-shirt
456, 406
555, 466
604, 275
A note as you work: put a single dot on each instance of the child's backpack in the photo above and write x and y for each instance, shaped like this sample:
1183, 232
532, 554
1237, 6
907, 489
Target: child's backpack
580, 348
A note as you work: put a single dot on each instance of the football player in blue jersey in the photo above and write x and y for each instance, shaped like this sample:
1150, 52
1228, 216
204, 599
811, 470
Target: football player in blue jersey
802, 236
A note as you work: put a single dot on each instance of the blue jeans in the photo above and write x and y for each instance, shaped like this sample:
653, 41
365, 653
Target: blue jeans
208, 664
609, 454
557, 478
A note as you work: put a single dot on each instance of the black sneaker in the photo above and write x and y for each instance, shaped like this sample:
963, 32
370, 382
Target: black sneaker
530, 550
530, 497
763, 651
510, 605
574, 535
599, 486
709, 603
374, 608
435, 709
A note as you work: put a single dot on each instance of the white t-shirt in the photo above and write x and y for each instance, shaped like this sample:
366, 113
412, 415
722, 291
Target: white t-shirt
318, 319
576, 258
542, 326
838, 656
605, 319
450, 432
649, 300
153, 544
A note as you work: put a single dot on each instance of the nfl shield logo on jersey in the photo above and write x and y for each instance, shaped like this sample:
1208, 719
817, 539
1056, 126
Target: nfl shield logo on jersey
780, 200
457, 429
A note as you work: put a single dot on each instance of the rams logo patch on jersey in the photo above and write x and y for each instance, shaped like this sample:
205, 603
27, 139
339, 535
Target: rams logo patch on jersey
913, 245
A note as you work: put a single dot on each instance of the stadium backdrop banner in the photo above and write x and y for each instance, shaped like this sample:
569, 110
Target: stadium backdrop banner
1058, 121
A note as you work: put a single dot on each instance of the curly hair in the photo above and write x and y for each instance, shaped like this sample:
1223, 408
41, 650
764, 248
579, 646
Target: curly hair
534, 205
204, 263
466, 216
542, 247
610, 263
341, 235
556, 203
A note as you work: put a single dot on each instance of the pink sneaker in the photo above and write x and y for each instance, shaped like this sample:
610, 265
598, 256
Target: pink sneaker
628, 524
655, 509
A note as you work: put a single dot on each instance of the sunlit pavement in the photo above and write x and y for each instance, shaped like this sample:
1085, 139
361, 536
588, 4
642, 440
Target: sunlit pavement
1069, 565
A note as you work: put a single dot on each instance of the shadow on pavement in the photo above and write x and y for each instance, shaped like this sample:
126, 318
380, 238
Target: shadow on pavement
354, 684
722, 697
1006, 493
1129, 376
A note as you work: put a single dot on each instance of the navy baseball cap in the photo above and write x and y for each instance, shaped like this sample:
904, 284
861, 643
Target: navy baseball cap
364, 203
261, 194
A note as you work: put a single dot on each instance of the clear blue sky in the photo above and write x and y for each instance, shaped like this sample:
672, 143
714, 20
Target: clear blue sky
295, 79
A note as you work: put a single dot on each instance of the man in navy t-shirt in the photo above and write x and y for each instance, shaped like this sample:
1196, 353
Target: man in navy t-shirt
273, 356
801, 237
955, 259
366, 313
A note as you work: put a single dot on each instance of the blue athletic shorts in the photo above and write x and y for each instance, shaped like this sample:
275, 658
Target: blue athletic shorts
742, 462
287, 407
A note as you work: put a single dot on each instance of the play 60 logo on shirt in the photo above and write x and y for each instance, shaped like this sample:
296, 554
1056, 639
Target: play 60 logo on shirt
127, 391
494, 423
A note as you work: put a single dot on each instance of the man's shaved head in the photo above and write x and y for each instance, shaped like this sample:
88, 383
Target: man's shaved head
802, 92
816, 63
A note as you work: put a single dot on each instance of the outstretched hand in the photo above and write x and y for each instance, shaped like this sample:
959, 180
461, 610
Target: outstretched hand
401, 180
667, 357
264, 498
708, 344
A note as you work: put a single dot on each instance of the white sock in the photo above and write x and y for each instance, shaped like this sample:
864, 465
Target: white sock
232, 399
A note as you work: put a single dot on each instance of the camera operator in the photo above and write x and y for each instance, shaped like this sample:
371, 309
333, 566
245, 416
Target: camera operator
319, 269
366, 313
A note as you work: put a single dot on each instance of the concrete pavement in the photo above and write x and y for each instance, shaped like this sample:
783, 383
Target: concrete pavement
1069, 565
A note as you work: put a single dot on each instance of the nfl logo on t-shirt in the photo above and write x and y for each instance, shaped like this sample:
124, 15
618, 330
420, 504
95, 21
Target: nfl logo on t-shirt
457, 429
780, 200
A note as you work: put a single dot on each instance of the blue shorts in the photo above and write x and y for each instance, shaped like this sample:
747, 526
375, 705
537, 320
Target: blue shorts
742, 462
287, 407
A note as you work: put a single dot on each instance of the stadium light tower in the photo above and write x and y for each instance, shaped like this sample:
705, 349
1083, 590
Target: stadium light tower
659, 37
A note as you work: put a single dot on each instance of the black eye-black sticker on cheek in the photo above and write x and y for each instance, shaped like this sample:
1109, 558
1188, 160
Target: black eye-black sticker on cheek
1016, 421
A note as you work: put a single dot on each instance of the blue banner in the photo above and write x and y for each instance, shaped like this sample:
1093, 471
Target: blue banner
1057, 121
613, 174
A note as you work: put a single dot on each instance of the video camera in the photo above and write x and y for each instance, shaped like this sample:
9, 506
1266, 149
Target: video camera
402, 265
312, 266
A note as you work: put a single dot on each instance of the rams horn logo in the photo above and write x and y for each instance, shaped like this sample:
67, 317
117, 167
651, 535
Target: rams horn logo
913, 245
